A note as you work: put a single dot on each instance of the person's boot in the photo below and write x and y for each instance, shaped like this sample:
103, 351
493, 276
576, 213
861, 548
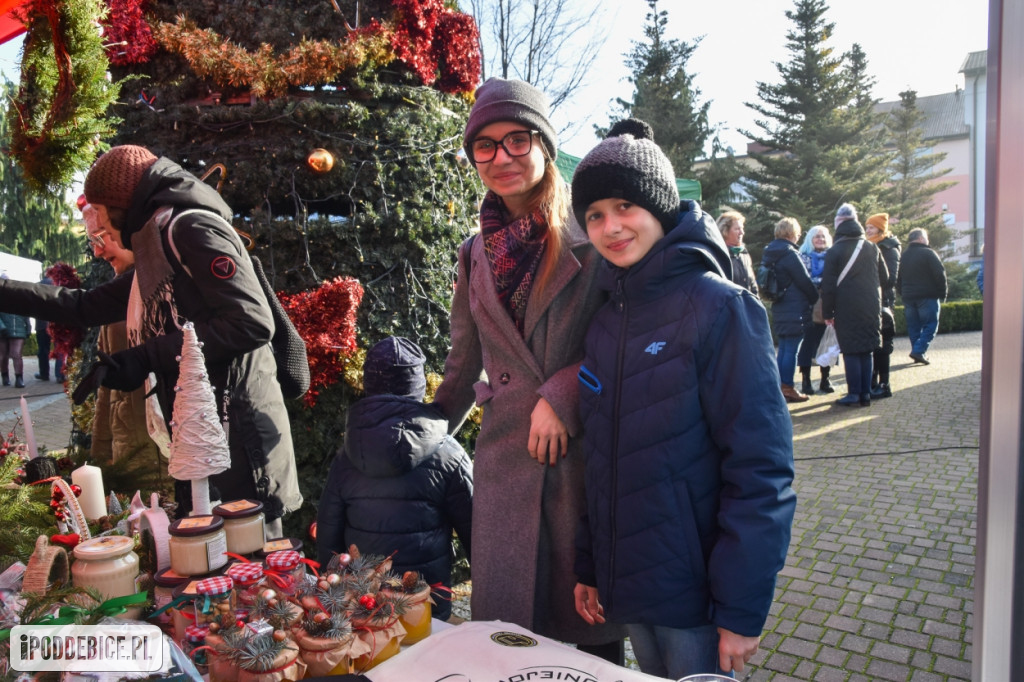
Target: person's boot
825, 386
6, 378
805, 386
792, 395
19, 382
883, 391
874, 381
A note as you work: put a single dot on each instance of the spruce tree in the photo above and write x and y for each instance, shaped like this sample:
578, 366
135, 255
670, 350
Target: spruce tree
915, 176
33, 224
819, 139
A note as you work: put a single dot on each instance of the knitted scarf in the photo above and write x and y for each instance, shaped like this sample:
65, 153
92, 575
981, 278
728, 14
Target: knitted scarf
514, 250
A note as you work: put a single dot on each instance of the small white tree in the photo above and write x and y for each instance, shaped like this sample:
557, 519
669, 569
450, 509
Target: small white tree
199, 446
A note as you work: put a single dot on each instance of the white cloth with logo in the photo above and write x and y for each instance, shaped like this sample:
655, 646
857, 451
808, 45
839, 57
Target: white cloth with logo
497, 652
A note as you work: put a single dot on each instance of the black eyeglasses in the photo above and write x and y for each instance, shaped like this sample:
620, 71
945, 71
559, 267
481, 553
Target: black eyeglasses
517, 143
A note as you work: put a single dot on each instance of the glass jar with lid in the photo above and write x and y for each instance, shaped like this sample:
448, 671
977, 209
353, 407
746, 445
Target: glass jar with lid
198, 544
194, 647
164, 583
248, 579
215, 601
289, 568
107, 564
243, 523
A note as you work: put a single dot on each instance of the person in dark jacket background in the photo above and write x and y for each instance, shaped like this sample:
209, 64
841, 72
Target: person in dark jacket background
14, 329
731, 225
688, 441
922, 285
791, 313
206, 278
851, 299
876, 231
400, 484
812, 252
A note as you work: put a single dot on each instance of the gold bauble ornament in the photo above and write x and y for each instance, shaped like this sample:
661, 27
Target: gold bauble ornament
320, 160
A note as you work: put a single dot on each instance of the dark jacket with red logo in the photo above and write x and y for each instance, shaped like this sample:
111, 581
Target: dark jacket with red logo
209, 280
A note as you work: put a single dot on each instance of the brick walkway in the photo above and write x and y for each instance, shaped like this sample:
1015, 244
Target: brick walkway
879, 582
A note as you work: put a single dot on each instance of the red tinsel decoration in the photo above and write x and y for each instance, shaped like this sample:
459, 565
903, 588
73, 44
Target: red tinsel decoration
326, 320
457, 46
432, 39
127, 33
65, 338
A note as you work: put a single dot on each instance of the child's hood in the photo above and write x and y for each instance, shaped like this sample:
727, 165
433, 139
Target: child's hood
387, 435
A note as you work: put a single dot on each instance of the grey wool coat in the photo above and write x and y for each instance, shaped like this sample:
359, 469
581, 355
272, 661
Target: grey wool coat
524, 512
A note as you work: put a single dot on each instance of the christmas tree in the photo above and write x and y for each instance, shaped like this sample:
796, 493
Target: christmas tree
199, 446
332, 128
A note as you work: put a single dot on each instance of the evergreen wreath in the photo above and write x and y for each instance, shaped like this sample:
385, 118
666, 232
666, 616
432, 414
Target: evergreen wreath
59, 115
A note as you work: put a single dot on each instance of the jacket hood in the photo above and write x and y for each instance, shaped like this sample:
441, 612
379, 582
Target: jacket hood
776, 249
694, 244
387, 435
166, 183
849, 228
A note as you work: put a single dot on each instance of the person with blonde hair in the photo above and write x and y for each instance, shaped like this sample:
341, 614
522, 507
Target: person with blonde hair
876, 231
812, 253
792, 311
731, 224
526, 291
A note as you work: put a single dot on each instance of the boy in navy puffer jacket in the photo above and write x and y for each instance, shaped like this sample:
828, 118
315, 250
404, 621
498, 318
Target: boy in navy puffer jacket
400, 484
688, 442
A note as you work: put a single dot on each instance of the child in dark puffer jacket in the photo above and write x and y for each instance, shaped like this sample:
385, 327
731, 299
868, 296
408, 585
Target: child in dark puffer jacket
400, 484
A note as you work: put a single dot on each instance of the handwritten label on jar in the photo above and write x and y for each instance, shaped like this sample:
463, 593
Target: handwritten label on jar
277, 545
195, 522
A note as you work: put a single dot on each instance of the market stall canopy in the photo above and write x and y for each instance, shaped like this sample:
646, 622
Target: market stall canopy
10, 26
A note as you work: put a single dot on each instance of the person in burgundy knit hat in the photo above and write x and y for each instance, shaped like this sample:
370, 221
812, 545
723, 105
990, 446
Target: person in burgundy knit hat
190, 265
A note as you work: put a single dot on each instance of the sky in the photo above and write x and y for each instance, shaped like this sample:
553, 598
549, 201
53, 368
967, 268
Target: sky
916, 44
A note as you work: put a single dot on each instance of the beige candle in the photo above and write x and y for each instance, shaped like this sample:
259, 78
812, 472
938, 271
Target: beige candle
243, 523
107, 564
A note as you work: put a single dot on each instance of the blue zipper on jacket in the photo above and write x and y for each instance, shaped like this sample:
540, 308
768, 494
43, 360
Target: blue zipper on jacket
619, 361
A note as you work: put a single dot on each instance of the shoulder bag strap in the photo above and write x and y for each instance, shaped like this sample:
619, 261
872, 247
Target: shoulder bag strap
849, 263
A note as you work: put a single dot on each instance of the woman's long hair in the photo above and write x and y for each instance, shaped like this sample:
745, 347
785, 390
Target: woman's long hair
551, 197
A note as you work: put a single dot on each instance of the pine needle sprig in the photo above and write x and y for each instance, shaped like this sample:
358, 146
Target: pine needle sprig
257, 654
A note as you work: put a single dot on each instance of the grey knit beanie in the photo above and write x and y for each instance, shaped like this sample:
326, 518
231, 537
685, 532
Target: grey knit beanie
628, 165
510, 100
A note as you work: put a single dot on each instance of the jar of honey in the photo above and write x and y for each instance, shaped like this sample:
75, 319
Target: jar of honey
198, 544
107, 564
243, 523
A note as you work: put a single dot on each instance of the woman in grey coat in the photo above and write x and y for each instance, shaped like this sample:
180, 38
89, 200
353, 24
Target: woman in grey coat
524, 297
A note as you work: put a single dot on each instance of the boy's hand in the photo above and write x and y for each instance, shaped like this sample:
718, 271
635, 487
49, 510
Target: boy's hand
548, 436
587, 605
734, 650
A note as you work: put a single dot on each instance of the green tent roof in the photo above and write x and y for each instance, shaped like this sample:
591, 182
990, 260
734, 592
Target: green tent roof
688, 189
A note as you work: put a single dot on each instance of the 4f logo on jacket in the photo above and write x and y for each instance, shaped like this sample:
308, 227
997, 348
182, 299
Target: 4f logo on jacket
655, 347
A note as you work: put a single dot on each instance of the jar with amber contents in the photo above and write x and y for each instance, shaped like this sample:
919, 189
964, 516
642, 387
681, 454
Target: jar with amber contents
289, 569
248, 579
243, 523
107, 564
198, 544
215, 601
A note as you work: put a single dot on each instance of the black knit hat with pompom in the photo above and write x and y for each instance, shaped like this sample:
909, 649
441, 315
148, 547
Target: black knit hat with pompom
628, 165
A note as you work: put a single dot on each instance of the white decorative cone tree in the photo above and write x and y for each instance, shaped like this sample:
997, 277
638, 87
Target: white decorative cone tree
199, 446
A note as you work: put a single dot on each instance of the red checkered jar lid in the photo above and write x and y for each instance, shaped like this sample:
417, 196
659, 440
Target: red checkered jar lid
196, 633
283, 561
214, 586
246, 573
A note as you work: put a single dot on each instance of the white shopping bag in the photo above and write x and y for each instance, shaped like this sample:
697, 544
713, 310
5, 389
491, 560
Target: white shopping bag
828, 349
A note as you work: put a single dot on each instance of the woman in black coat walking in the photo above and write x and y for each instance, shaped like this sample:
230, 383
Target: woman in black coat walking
851, 299
876, 231
793, 309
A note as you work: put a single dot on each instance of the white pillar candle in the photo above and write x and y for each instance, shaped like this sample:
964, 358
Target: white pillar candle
30, 435
92, 500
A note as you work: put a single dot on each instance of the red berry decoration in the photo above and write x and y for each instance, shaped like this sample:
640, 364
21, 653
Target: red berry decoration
76, 489
3, 451
54, 504
58, 494
368, 602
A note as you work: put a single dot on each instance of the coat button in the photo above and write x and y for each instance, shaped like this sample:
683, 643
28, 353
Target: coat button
264, 482
504, 378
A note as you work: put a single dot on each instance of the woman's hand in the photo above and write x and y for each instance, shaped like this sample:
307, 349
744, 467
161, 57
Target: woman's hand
733, 650
587, 604
548, 435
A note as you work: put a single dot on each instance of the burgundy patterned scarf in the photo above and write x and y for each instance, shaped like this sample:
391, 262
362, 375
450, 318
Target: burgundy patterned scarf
514, 249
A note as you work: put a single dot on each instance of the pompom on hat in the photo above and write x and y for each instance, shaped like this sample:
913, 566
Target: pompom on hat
510, 100
114, 176
628, 165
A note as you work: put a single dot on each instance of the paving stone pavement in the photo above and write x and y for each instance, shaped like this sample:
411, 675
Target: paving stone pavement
879, 580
